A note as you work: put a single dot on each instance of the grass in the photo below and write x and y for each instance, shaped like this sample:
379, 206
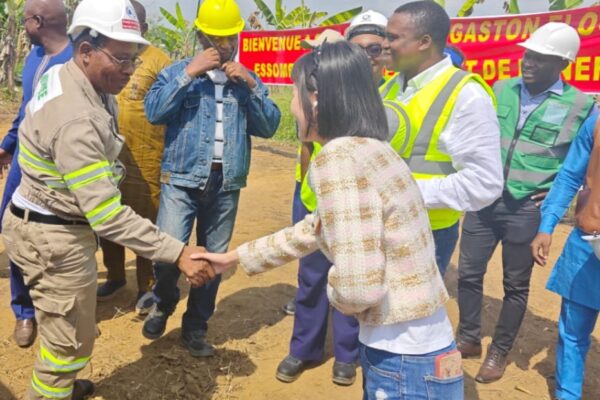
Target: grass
282, 95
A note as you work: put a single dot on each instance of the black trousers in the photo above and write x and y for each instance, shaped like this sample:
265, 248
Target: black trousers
515, 224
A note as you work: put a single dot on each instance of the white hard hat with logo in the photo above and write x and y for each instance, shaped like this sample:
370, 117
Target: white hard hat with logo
554, 39
369, 22
115, 19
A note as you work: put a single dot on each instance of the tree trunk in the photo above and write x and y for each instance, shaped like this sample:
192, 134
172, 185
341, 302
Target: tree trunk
8, 55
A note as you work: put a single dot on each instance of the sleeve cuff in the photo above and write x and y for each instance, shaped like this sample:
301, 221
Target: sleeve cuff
169, 250
248, 261
183, 78
547, 225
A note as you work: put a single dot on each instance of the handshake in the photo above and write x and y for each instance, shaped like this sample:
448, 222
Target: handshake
200, 267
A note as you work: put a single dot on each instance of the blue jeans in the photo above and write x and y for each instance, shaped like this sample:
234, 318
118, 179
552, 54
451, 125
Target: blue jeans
575, 327
215, 211
445, 242
406, 377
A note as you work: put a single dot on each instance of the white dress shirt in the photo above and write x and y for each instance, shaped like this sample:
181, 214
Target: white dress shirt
472, 140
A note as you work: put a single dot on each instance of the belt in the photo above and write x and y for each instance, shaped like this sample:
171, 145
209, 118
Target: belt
42, 218
216, 166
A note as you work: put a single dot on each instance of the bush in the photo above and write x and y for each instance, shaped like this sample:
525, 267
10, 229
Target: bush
282, 95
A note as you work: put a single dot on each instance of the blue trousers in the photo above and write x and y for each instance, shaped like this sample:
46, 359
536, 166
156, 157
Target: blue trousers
20, 301
214, 210
312, 309
445, 242
575, 327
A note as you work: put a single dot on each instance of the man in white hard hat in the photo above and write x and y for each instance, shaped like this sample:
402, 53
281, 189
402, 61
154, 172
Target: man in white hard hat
539, 116
368, 31
68, 195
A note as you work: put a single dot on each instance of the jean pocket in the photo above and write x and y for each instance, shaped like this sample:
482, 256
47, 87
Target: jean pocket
445, 388
381, 381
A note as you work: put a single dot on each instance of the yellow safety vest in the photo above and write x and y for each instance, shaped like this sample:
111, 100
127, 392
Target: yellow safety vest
308, 197
427, 114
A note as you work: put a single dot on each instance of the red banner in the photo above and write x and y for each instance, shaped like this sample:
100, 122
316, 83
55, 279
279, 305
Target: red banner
489, 44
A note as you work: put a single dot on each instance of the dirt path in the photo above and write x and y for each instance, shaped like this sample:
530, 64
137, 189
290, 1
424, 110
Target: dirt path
252, 334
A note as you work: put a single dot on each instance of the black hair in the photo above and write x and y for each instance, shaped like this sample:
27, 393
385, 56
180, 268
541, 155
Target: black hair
96, 39
348, 101
429, 18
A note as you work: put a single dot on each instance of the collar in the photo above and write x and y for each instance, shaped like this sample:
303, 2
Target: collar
557, 88
421, 80
84, 83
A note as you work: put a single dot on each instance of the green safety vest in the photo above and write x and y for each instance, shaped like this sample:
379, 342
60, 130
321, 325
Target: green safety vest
533, 155
427, 114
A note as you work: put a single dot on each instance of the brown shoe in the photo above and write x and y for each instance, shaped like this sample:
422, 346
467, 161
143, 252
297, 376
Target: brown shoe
25, 332
468, 349
493, 366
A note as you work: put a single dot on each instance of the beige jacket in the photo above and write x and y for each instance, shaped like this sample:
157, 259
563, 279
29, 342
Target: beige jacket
68, 147
371, 223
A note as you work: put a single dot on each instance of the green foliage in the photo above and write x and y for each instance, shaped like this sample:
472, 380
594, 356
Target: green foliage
282, 95
564, 4
301, 16
178, 39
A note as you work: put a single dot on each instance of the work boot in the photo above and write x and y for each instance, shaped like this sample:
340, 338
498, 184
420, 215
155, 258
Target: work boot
24, 333
109, 289
344, 374
82, 388
493, 366
196, 343
155, 324
290, 369
290, 307
145, 302
468, 349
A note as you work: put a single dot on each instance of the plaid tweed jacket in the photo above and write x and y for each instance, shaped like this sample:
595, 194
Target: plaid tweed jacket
372, 224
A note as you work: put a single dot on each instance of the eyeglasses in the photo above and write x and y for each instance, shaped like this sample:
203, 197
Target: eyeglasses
25, 19
123, 64
373, 50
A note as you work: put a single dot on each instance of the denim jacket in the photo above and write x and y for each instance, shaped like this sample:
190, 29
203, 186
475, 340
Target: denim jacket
188, 108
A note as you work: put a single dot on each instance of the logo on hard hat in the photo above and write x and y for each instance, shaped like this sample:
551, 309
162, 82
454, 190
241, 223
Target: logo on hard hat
366, 17
131, 22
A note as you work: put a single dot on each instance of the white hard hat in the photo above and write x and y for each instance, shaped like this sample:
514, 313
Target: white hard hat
115, 19
594, 241
368, 22
554, 39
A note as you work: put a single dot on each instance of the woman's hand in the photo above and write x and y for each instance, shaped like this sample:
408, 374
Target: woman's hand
219, 262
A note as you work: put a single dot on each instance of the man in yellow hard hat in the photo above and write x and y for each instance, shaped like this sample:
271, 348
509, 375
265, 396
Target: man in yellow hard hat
211, 105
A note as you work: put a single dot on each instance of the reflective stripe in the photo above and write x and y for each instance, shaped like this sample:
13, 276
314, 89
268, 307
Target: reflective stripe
37, 163
56, 184
522, 146
387, 86
418, 163
581, 101
88, 174
530, 176
50, 391
59, 365
402, 117
104, 211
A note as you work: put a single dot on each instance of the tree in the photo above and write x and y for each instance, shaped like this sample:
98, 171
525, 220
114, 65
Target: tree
179, 40
299, 17
11, 11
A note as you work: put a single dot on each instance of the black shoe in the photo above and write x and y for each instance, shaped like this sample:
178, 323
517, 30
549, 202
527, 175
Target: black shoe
290, 307
155, 324
109, 289
82, 388
290, 369
197, 345
344, 374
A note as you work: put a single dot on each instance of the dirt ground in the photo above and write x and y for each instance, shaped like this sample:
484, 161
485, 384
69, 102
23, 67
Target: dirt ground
251, 333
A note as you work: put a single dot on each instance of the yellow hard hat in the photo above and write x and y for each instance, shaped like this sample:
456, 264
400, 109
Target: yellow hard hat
219, 18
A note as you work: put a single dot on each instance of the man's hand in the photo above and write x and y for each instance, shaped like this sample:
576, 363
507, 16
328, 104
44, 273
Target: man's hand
540, 248
5, 160
220, 262
238, 73
539, 197
197, 272
205, 61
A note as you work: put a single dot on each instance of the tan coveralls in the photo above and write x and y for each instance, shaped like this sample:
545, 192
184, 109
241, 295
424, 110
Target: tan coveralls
68, 147
141, 156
